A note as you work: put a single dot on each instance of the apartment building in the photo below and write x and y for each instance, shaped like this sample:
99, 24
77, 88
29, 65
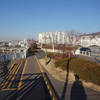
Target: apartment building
90, 40
85, 40
52, 37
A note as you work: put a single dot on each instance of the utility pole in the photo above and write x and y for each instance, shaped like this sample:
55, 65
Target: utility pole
45, 37
53, 43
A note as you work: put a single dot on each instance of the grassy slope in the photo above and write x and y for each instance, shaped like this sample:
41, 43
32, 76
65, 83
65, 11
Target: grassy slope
87, 70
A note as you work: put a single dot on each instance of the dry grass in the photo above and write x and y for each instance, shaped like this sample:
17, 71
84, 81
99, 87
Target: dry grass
87, 70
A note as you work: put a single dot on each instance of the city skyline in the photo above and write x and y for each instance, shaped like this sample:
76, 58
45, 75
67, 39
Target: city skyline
21, 19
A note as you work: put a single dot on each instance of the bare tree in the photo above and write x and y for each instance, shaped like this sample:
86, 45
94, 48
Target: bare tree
53, 43
45, 38
73, 38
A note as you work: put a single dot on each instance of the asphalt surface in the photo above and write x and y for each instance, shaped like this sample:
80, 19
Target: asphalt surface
75, 91
91, 58
33, 86
11, 80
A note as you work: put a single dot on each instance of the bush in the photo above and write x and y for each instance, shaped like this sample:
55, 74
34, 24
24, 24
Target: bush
51, 55
87, 70
31, 51
56, 55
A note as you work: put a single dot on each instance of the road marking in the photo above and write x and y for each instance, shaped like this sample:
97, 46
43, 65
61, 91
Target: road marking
52, 94
9, 89
7, 75
39, 65
21, 78
14, 69
14, 75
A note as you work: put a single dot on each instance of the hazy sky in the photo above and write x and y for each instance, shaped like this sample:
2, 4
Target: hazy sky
25, 18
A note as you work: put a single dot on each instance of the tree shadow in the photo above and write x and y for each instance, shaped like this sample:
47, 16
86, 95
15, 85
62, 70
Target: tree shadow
77, 90
30, 54
66, 81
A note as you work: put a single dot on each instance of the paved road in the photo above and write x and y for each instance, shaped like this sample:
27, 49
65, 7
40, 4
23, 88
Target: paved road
75, 91
91, 58
31, 85
11, 80
35, 88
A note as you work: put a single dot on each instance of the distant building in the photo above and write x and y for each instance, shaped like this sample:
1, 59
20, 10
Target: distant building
52, 37
90, 40
86, 40
21, 43
13, 43
14, 49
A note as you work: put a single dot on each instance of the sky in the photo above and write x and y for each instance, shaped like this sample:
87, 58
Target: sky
21, 19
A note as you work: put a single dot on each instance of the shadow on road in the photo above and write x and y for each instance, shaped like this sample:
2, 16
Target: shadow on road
56, 95
4, 69
30, 54
33, 88
77, 90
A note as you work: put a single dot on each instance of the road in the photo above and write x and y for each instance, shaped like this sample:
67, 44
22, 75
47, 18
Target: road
32, 82
91, 58
28, 84
75, 91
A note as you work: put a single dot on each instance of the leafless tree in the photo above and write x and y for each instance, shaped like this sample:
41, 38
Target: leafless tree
73, 39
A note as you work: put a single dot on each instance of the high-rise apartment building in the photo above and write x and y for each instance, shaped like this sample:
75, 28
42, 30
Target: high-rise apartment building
53, 37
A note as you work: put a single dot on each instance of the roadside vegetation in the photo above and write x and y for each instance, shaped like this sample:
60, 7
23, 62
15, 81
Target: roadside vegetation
87, 70
32, 49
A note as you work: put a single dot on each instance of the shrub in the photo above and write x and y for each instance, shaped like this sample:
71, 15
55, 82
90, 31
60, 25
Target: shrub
51, 55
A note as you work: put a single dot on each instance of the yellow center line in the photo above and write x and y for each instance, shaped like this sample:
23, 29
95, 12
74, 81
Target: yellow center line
39, 65
46, 80
14, 75
21, 78
7, 75
13, 71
